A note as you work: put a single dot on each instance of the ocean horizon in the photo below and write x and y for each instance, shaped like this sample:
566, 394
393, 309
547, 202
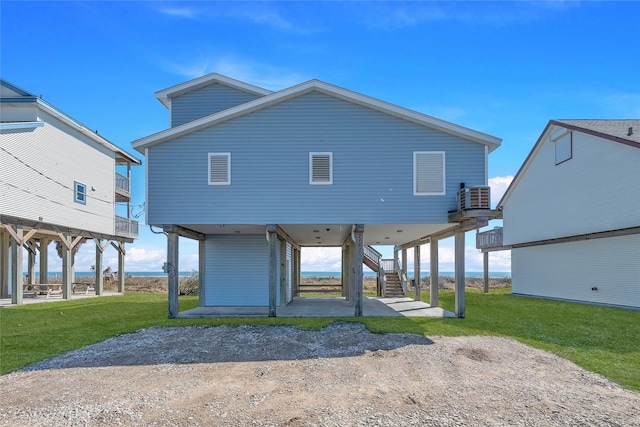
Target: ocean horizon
318, 274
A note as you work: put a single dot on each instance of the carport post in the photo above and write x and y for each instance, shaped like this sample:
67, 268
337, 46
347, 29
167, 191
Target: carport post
434, 273
172, 271
358, 259
16, 266
273, 269
459, 273
416, 271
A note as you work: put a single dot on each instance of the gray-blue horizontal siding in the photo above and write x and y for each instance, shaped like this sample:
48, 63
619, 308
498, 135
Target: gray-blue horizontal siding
372, 168
204, 101
236, 271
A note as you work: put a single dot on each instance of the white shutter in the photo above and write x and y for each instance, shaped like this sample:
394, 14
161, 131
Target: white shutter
219, 168
321, 168
428, 173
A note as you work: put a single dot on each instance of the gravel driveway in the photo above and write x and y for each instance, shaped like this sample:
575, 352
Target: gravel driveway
342, 375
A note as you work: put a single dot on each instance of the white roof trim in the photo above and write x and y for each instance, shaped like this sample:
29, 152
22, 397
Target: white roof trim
173, 91
322, 87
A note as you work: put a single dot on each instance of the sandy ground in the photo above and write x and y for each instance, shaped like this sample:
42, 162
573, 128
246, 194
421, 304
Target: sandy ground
283, 376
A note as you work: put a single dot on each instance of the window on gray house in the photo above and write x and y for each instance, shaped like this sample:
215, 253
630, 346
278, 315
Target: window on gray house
429, 173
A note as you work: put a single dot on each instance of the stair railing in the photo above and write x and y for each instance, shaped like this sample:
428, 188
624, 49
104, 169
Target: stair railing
403, 278
383, 279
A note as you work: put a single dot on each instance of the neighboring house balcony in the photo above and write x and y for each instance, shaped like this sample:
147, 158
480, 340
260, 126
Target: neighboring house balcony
126, 227
123, 189
491, 240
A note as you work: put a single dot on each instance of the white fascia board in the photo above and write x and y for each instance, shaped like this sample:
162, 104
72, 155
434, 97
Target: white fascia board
165, 94
21, 125
322, 87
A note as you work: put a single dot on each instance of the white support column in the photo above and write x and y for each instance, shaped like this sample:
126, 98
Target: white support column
99, 278
44, 259
433, 273
485, 269
346, 268
73, 266
172, 271
66, 266
404, 264
273, 270
358, 259
121, 253
16, 266
416, 271
201, 272
459, 273
4, 264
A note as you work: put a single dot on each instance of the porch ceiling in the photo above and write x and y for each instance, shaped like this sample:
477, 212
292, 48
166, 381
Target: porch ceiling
331, 234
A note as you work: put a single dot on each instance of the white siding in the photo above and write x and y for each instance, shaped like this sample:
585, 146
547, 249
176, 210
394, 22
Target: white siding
25, 112
598, 189
570, 270
236, 271
37, 174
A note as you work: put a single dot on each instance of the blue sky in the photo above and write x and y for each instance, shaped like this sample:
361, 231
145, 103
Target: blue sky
503, 68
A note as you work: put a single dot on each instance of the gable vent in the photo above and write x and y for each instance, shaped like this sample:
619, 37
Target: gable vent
428, 173
321, 168
219, 168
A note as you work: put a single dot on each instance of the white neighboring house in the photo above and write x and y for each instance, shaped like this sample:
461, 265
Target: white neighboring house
572, 214
58, 182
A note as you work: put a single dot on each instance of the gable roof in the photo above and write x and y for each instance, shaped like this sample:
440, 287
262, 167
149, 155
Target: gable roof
623, 131
20, 95
325, 88
165, 95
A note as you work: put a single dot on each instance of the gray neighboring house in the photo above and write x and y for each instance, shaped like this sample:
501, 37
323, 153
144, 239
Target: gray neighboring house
572, 215
256, 175
59, 181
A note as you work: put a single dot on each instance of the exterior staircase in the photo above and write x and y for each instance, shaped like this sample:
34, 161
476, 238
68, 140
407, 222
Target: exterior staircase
393, 287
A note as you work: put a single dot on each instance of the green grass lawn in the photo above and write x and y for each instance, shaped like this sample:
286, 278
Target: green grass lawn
603, 340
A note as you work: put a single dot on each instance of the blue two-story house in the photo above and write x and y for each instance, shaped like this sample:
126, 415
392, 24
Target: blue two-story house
256, 175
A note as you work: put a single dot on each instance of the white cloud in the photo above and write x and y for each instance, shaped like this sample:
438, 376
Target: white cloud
259, 74
499, 185
321, 259
183, 12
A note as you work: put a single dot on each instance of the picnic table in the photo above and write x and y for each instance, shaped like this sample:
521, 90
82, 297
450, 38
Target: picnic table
48, 289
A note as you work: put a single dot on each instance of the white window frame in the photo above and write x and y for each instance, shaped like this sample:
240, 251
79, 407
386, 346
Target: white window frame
415, 174
321, 153
559, 143
228, 156
76, 192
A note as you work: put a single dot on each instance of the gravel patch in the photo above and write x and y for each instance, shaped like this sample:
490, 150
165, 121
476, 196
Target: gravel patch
342, 375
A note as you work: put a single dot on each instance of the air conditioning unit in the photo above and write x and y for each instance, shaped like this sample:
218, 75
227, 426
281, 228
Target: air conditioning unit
477, 197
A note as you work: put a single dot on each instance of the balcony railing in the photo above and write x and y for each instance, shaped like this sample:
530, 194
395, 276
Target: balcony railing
122, 184
489, 239
126, 227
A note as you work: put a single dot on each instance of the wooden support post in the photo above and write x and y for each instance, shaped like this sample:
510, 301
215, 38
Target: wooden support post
73, 265
66, 265
358, 260
31, 264
172, 271
433, 273
44, 260
121, 253
416, 271
283, 271
201, 272
404, 261
16, 266
273, 271
99, 278
459, 273
296, 272
4, 265
346, 271
485, 267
